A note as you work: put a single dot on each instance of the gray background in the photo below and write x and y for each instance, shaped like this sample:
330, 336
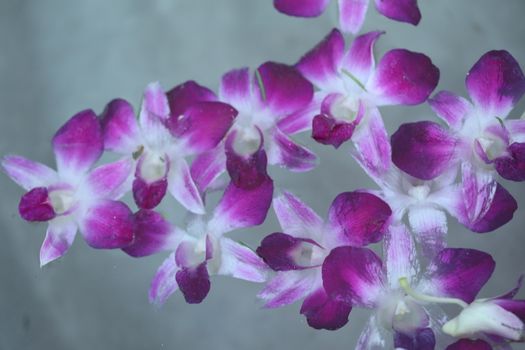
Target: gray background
58, 57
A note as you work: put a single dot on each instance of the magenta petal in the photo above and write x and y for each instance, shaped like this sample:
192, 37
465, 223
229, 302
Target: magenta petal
496, 83
59, 237
352, 14
360, 57
108, 225
294, 157
321, 64
78, 143
359, 218
246, 171
295, 217
164, 283
204, 125
400, 10
458, 273
149, 195
236, 88
207, 167
36, 205
241, 207
282, 252
322, 312
120, 127
194, 283
403, 77
182, 96
423, 339
353, 276
27, 173
303, 8
108, 180
423, 149
450, 107
285, 90
155, 102
328, 131
512, 166
302, 119
152, 234
500, 212
469, 344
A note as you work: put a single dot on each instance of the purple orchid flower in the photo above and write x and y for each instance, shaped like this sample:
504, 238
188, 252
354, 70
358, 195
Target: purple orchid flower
478, 202
351, 87
401, 295
478, 131
494, 320
354, 218
202, 249
74, 197
352, 13
168, 131
271, 103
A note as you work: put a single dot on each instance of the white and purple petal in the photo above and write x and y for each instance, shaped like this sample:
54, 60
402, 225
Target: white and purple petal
295, 217
289, 286
154, 103
400, 254
107, 225
496, 83
109, 180
282, 150
120, 127
321, 312
359, 60
400, 10
358, 218
423, 149
183, 188
236, 88
28, 174
458, 273
164, 283
403, 77
304, 8
207, 167
59, 237
352, 14
512, 165
422, 339
78, 144
450, 107
353, 276
429, 224
241, 262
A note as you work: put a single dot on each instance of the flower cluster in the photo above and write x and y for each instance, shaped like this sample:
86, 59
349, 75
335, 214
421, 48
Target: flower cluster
190, 142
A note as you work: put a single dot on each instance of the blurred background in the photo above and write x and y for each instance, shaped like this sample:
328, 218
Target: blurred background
58, 57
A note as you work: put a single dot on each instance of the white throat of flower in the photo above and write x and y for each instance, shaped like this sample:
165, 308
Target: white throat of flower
62, 201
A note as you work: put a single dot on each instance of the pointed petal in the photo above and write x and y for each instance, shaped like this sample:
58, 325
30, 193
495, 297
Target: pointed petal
430, 226
152, 234
423, 149
373, 336
78, 144
154, 104
282, 88
240, 207
107, 225
183, 188
203, 125
323, 313
400, 254
400, 10
164, 283
512, 166
423, 339
352, 14
120, 127
282, 252
207, 167
403, 77
450, 107
194, 283
458, 273
469, 344
182, 96
353, 276
27, 173
36, 205
305, 8
236, 88
59, 237
109, 180
288, 287
358, 218
302, 119
241, 262
295, 217
496, 83
360, 57
321, 64
286, 153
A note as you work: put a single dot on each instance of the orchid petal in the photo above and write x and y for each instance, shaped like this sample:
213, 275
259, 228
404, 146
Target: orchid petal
109, 180
36, 205
304, 8
323, 313
182, 96
512, 166
241, 262
295, 217
207, 167
164, 283
423, 339
194, 283
27, 173
451, 108
287, 287
353, 276
496, 83
285, 152
360, 57
469, 344
154, 104
517, 307
328, 131
120, 127
400, 10
183, 188
59, 237
400, 254
373, 336
282, 252
430, 226
236, 88
352, 14
302, 119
